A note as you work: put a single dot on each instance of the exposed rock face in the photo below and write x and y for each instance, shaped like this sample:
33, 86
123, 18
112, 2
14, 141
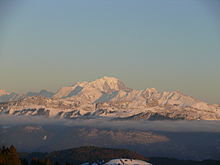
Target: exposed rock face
109, 97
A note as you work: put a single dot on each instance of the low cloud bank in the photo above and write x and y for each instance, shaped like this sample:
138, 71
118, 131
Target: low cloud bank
172, 126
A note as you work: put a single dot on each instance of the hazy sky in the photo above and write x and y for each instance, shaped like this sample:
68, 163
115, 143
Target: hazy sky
169, 45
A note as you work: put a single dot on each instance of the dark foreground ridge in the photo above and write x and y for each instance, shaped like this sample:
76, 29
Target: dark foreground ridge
84, 154
90, 154
9, 156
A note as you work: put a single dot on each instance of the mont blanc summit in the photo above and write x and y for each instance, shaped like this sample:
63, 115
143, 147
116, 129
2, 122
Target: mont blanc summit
109, 97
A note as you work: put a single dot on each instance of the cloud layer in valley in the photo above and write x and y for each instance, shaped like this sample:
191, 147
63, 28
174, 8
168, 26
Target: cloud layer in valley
172, 126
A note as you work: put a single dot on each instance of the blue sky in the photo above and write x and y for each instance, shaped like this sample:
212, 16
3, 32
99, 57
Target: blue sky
169, 45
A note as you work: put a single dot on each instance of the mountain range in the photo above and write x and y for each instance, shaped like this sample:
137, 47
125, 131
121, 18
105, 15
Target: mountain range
12, 96
108, 97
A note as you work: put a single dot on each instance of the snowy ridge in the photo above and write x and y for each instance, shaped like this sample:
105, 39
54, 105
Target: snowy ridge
127, 162
120, 161
109, 97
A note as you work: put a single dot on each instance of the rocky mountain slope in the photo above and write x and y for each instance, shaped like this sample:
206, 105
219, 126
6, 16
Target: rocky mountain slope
109, 97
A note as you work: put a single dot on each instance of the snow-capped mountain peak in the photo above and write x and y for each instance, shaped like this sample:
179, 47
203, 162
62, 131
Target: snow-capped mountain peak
107, 84
3, 92
97, 87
